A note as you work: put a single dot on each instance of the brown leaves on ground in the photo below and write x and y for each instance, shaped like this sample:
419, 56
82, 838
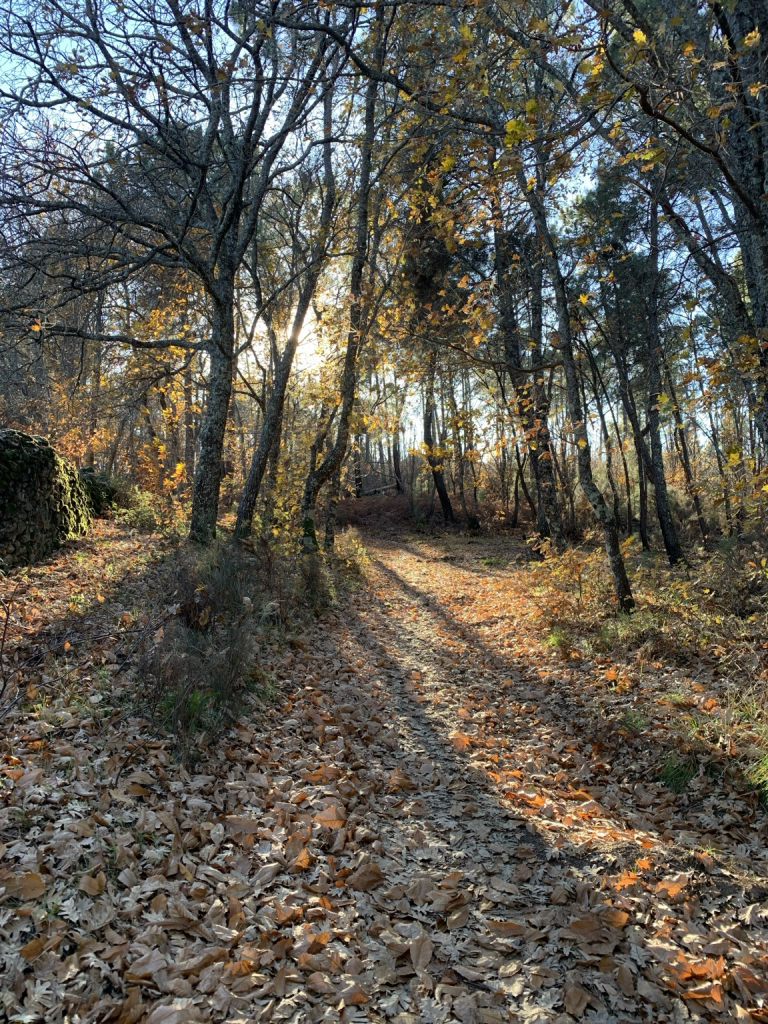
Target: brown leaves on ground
432, 825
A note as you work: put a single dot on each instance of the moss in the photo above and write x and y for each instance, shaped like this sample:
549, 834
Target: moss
100, 488
42, 499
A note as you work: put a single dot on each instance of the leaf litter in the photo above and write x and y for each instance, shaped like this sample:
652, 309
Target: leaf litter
434, 823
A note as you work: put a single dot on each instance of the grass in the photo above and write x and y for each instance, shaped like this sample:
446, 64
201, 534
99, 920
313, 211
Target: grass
560, 639
203, 672
677, 771
495, 561
695, 646
757, 773
634, 721
230, 604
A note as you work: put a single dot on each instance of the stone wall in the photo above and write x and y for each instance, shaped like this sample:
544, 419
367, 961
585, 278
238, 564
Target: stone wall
42, 499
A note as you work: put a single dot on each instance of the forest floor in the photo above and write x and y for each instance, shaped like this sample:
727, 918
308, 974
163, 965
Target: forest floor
447, 814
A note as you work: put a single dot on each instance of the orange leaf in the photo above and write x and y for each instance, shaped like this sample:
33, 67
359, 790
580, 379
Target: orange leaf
615, 918
332, 816
461, 741
368, 876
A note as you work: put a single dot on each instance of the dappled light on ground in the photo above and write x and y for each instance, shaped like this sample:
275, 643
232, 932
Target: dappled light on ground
439, 819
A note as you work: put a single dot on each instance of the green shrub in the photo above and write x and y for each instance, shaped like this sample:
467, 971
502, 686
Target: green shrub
100, 488
139, 511
203, 672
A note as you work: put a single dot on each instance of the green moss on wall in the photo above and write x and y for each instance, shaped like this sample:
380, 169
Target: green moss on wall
42, 499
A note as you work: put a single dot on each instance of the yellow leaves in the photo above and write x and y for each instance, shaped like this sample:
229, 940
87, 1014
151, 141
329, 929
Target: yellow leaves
640, 37
516, 131
752, 38
584, 298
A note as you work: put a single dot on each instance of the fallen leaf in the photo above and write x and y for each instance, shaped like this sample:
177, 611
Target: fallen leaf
368, 876
506, 929
421, 951
93, 885
575, 1000
332, 816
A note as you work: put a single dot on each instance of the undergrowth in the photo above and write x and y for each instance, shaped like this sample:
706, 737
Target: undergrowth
708, 620
230, 604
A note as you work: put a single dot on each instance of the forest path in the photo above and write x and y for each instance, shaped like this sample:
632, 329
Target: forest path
578, 888
439, 819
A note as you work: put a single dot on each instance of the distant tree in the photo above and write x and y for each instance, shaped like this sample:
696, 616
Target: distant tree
150, 135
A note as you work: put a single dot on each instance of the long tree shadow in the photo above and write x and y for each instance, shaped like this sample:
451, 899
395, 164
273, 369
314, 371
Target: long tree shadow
88, 603
480, 785
502, 750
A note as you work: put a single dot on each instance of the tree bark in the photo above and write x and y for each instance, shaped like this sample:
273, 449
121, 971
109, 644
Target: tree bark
664, 512
532, 407
435, 460
319, 475
602, 511
207, 484
273, 415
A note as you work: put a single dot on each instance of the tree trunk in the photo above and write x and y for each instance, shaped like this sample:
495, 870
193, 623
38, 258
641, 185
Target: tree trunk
521, 477
95, 398
273, 414
330, 512
434, 459
205, 492
530, 397
396, 460
685, 458
319, 475
601, 510
189, 424
664, 512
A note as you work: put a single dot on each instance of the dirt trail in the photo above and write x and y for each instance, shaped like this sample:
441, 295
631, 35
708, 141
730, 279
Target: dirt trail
432, 824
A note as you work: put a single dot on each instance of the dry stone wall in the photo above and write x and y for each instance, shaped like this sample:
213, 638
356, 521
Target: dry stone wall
42, 499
